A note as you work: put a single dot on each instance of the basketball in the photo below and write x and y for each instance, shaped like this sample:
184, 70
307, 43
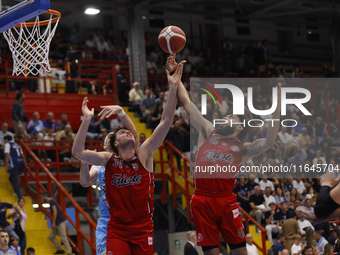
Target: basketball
172, 39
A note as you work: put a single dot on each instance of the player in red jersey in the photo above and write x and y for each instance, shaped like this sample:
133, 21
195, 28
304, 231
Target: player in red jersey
129, 176
214, 206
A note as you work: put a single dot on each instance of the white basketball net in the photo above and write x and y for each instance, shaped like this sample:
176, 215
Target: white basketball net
30, 47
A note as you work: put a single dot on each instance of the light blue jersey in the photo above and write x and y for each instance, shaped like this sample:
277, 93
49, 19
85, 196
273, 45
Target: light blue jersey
104, 218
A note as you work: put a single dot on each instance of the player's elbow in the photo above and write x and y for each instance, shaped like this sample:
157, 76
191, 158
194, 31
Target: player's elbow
84, 184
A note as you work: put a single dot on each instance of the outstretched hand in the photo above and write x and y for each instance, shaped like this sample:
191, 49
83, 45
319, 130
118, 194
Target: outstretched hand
86, 112
171, 63
174, 80
109, 110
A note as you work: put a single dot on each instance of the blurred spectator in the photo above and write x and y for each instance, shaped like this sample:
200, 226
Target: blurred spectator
35, 125
318, 156
147, 103
189, 248
161, 99
142, 138
313, 147
135, 96
3, 222
15, 162
308, 204
4, 242
3, 132
151, 65
290, 229
241, 190
300, 186
278, 246
319, 130
297, 73
298, 158
268, 197
49, 153
50, 122
308, 250
272, 222
173, 136
285, 252
298, 128
304, 224
116, 122
91, 43
156, 115
251, 248
325, 149
14, 244
287, 185
19, 223
337, 238
282, 213
65, 134
97, 34
18, 111
293, 195
102, 45
257, 204
95, 126
58, 224
304, 139
30, 251
121, 83
280, 196
63, 121
284, 141
251, 184
320, 240
21, 132
264, 183
328, 249
156, 53
297, 249
316, 250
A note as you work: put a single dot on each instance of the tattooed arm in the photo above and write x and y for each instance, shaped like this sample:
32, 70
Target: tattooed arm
259, 146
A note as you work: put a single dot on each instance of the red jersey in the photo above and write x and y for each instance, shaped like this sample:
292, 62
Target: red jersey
219, 153
129, 190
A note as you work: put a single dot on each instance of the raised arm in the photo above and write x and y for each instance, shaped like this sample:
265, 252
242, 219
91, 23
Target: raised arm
202, 125
109, 110
157, 137
86, 177
261, 145
90, 157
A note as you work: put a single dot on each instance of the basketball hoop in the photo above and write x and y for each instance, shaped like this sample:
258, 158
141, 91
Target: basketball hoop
30, 44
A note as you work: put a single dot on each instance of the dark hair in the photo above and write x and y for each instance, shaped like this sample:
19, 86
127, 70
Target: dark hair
318, 232
283, 202
113, 137
307, 248
96, 111
292, 214
30, 249
8, 137
337, 231
46, 194
5, 231
279, 236
243, 132
18, 96
12, 239
21, 199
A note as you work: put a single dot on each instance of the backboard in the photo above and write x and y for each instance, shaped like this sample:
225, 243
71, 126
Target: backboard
14, 12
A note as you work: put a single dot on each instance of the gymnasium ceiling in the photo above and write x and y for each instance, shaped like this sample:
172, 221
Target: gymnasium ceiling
277, 11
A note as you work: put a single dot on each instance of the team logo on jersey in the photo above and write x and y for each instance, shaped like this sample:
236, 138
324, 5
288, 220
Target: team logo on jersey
224, 144
150, 240
211, 155
235, 148
109, 253
199, 237
135, 166
236, 212
120, 181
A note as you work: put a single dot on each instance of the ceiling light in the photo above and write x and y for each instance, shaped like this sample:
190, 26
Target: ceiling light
92, 11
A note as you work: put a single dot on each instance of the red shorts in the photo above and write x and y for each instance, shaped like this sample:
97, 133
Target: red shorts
132, 238
215, 215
